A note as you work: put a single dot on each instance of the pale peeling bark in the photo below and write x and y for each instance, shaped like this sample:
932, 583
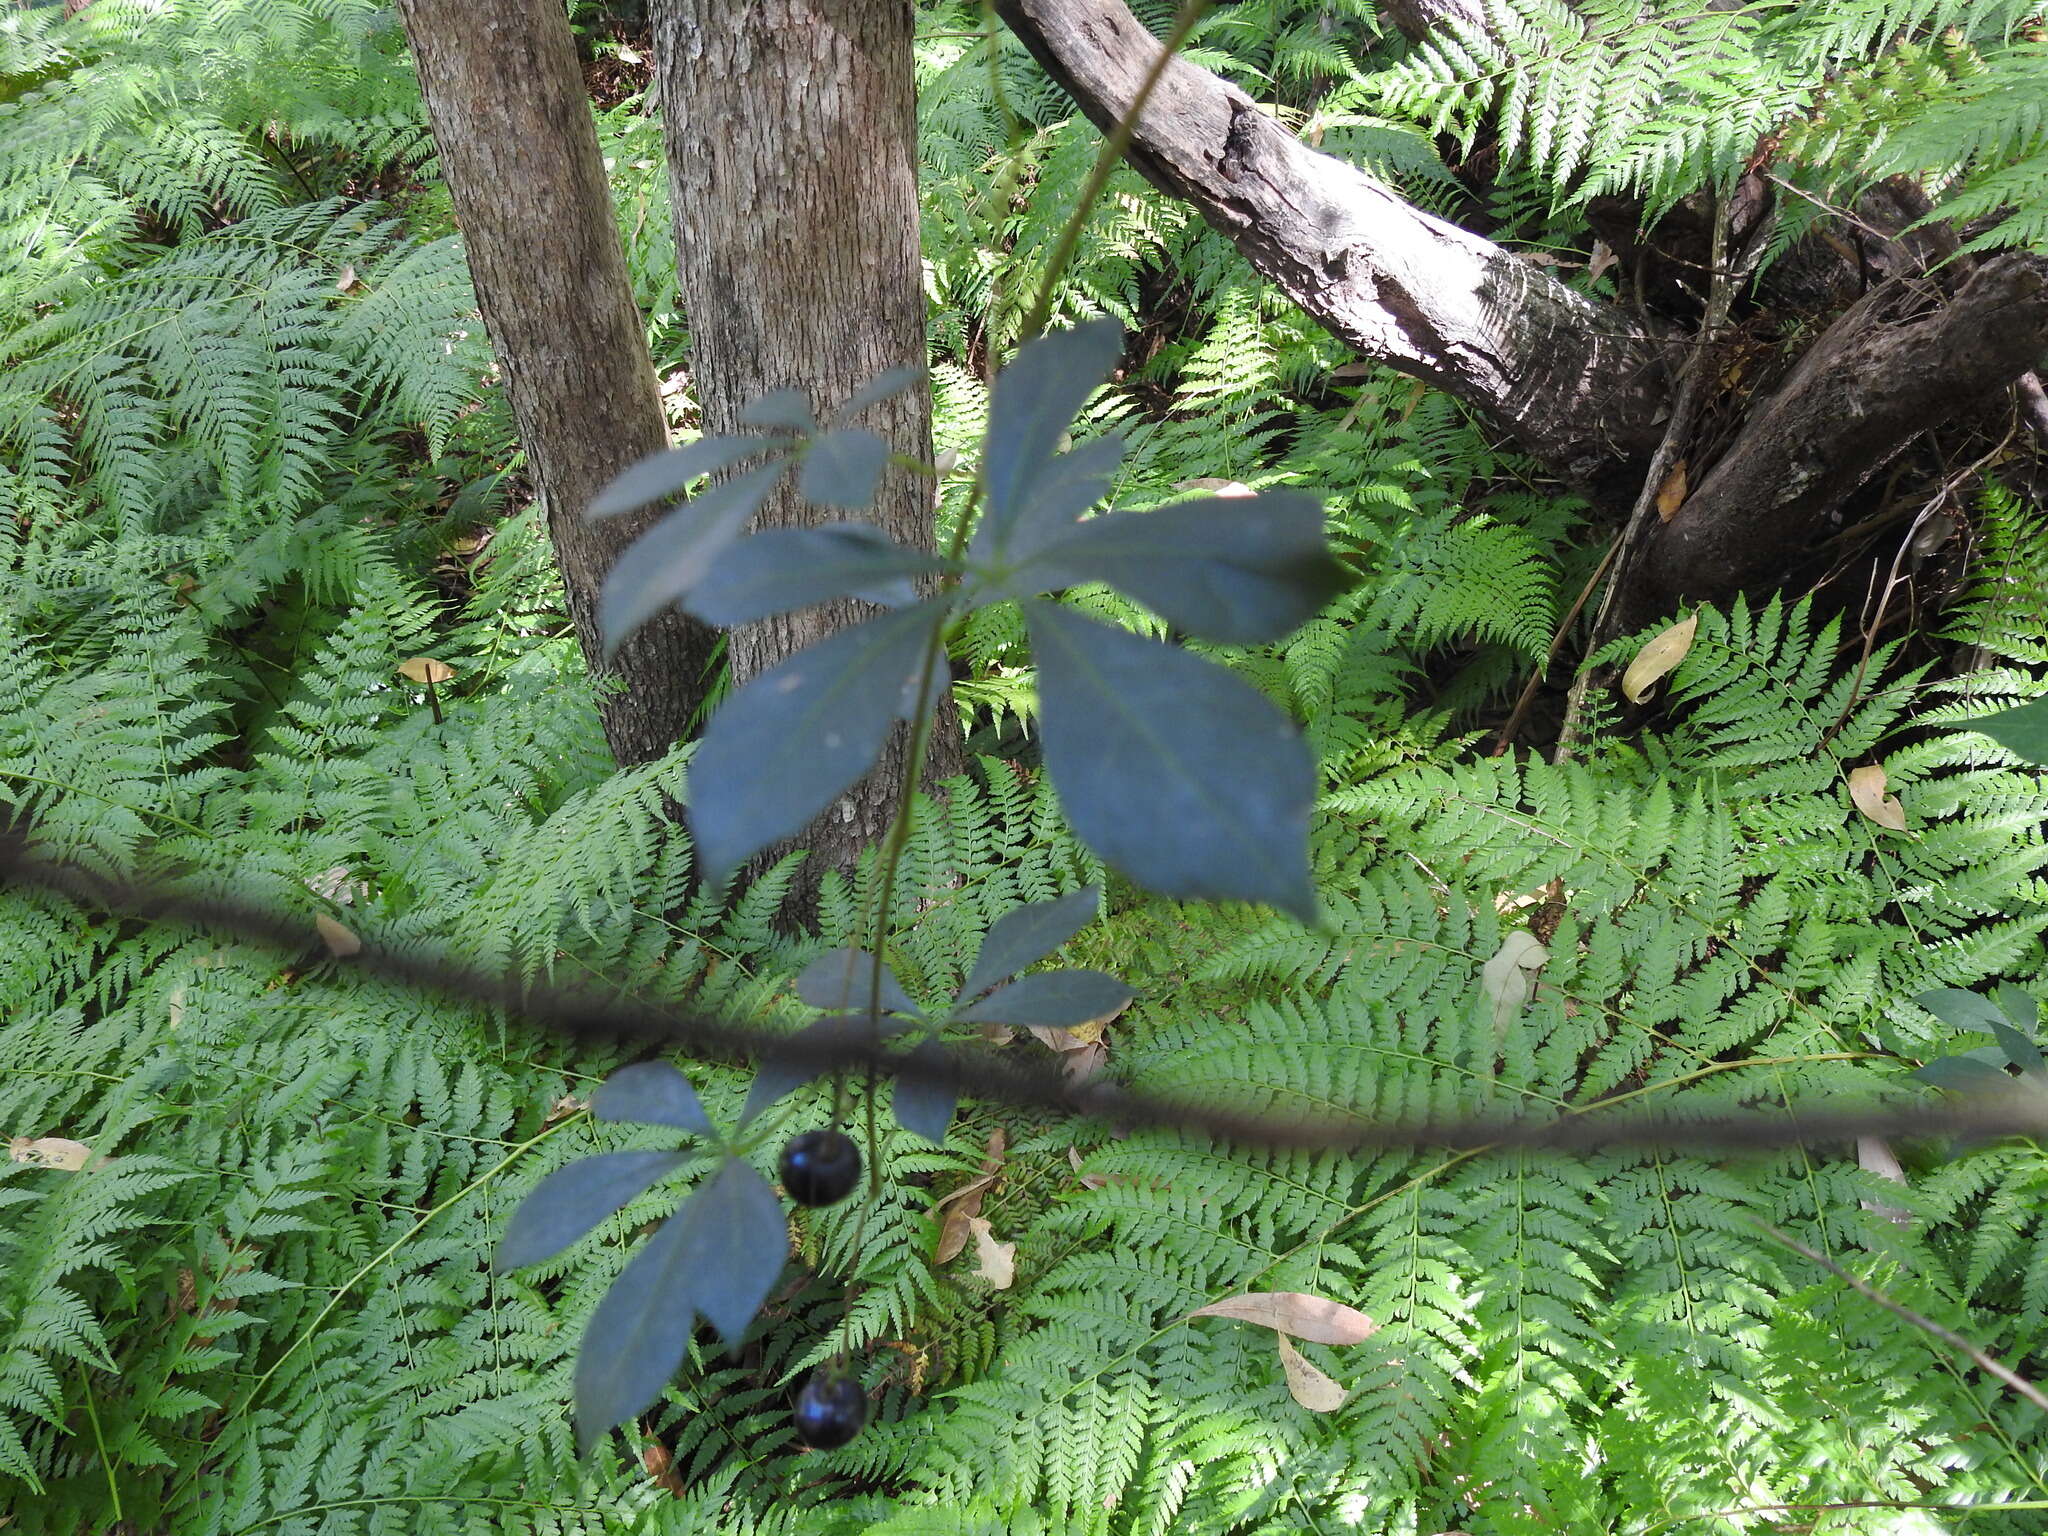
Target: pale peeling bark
791, 136
506, 102
1900, 362
1579, 384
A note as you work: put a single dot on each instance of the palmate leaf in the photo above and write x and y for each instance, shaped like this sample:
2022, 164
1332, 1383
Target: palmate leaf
780, 1074
923, 1105
718, 1257
842, 468
1027, 934
1066, 487
669, 559
780, 748
650, 1093
1051, 1000
661, 475
783, 409
570, 1201
784, 568
1241, 570
1184, 777
844, 981
2023, 731
1034, 401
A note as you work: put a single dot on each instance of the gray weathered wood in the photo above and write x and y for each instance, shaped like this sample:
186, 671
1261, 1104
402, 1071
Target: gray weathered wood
1579, 384
506, 102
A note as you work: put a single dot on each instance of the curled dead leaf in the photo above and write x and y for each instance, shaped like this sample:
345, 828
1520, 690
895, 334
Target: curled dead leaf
1088, 1180
1509, 977
1315, 1318
1655, 660
1215, 486
962, 1205
997, 1260
1866, 789
1308, 1386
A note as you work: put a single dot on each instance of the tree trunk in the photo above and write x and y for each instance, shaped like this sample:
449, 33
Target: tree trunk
791, 134
510, 118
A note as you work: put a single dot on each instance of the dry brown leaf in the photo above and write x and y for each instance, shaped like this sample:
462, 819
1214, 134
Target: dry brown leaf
1215, 487
339, 941
1603, 258
1671, 494
661, 1466
1315, 1318
568, 1104
49, 1152
1088, 1180
1083, 1064
1655, 660
1360, 370
997, 1260
1866, 788
962, 1205
424, 669
1307, 1385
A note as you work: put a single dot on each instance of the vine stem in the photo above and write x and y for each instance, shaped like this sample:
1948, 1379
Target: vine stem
1113, 147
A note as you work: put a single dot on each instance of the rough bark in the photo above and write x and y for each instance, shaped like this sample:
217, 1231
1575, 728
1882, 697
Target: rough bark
1579, 384
1890, 368
519, 153
791, 136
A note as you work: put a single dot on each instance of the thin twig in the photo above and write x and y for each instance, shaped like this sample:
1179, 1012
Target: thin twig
637, 1025
1926, 1325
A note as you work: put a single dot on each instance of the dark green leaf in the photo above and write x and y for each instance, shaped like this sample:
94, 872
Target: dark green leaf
1239, 570
783, 568
1035, 399
1052, 1000
1071, 484
784, 408
1189, 780
2019, 1050
1026, 935
924, 1106
779, 750
2019, 1005
882, 387
1960, 1009
2023, 731
842, 468
570, 1201
780, 1075
718, 1256
650, 1093
1962, 1075
843, 981
661, 475
670, 558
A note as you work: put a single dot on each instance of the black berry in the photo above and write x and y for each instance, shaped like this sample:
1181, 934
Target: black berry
831, 1409
820, 1168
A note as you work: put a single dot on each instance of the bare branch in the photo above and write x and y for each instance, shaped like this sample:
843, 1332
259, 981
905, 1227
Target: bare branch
1579, 384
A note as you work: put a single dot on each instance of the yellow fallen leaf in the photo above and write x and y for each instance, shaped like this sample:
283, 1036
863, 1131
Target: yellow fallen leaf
998, 1260
424, 669
1655, 660
1671, 494
1315, 1318
1308, 1386
1866, 788
339, 941
49, 1152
